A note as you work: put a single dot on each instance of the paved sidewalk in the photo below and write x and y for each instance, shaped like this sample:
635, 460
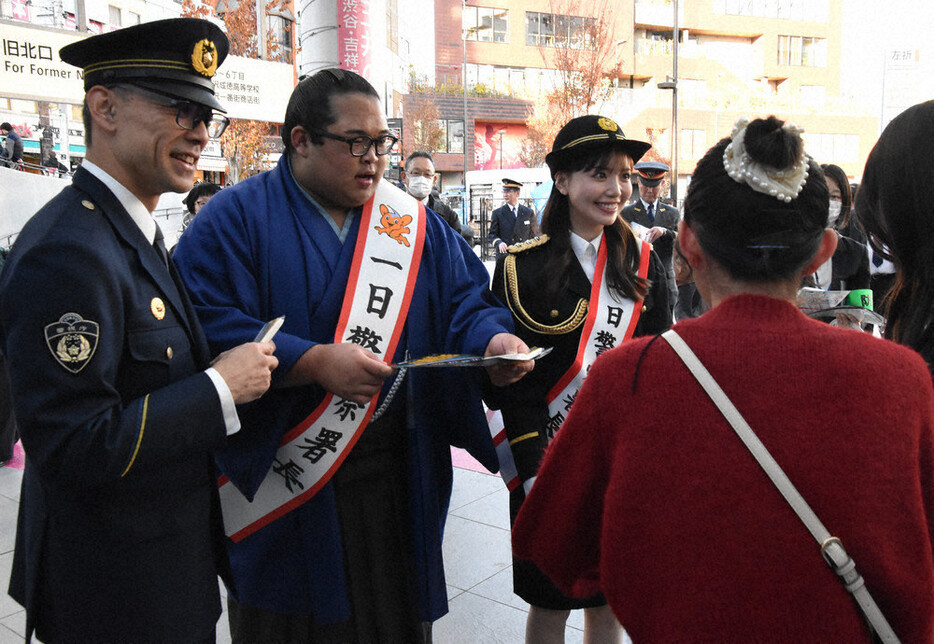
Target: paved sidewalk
478, 567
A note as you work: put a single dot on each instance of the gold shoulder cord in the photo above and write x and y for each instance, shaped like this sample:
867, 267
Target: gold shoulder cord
512, 300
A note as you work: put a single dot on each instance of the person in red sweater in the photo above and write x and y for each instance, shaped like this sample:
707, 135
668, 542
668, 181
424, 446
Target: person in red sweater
658, 504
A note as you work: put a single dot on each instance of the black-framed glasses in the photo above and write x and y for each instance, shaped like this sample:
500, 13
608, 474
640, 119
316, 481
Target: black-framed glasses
188, 114
360, 145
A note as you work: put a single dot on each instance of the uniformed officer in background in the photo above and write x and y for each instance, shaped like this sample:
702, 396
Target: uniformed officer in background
657, 221
119, 531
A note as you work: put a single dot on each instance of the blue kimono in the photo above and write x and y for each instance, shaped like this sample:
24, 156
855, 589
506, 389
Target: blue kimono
259, 250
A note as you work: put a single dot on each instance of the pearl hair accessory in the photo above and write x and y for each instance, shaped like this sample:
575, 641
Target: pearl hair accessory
782, 183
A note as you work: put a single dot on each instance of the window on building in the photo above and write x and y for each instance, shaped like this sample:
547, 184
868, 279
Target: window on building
832, 148
132, 19
24, 107
455, 136
280, 37
554, 30
486, 24
802, 51
813, 10
452, 136
693, 144
115, 19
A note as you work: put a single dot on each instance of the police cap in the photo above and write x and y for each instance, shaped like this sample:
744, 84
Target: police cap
651, 173
511, 184
591, 132
177, 57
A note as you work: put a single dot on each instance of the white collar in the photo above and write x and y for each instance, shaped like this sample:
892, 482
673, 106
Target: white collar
138, 212
647, 204
580, 245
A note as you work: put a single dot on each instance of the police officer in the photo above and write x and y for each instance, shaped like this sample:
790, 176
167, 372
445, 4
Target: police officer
119, 535
657, 221
512, 222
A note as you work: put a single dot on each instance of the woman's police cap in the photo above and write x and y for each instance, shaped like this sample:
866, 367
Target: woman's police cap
177, 57
588, 133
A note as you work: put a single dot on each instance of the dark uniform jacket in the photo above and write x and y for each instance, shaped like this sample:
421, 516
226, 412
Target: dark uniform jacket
119, 534
447, 214
557, 324
510, 228
667, 217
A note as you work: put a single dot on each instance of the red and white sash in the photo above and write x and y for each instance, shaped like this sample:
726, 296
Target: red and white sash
609, 322
379, 291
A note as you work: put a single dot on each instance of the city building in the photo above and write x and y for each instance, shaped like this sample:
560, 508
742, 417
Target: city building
735, 58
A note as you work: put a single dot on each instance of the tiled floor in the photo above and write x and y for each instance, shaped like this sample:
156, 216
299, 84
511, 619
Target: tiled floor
478, 567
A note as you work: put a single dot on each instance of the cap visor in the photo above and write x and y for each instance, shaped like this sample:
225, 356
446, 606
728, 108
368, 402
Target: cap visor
183, 91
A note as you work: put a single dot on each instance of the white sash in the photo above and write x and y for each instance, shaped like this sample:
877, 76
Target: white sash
379, 291
609, 323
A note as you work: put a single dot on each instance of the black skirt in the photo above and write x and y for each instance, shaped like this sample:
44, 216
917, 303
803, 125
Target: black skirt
532, 585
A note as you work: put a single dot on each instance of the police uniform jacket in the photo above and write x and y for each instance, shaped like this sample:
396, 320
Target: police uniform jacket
557, 324
511, 228
667, 217
119, 535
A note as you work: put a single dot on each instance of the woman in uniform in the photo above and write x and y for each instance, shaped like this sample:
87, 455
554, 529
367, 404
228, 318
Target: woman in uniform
583, 287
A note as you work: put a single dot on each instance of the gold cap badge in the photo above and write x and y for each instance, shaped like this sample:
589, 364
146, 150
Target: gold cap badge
204, 58
157, 306
607, 124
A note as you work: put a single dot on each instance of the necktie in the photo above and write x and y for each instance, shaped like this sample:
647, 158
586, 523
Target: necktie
652, 212
159, 244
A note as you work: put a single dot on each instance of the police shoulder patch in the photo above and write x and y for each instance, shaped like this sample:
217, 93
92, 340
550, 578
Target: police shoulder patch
72, 341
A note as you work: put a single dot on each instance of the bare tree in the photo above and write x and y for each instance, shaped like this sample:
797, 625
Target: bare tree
243, 143
423, 121
583, 52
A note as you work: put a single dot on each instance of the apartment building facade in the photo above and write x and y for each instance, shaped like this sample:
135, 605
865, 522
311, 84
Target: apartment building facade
735, 58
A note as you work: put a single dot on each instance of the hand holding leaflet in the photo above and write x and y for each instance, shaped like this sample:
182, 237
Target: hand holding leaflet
269, 330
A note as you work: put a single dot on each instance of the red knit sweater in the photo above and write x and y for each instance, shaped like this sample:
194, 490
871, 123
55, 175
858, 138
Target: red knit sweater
649, 496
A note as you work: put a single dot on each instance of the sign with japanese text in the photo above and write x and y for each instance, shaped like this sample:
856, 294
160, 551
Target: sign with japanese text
31, 69
353, 36
376, 301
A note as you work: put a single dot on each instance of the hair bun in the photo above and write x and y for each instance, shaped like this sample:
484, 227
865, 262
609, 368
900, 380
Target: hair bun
772, 144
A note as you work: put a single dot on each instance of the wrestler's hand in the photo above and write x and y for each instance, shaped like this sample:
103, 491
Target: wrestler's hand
506, 374
347, 370
247, 369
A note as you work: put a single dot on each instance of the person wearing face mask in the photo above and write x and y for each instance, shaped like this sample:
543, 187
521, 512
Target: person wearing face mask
848, 269
419, 179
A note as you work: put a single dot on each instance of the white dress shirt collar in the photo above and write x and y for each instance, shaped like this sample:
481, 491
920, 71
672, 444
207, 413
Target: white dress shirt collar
586, 252
138, 212
645, 203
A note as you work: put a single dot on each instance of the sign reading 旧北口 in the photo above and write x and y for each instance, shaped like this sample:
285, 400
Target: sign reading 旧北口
30, 69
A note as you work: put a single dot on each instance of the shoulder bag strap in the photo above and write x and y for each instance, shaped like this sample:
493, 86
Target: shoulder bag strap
830, 546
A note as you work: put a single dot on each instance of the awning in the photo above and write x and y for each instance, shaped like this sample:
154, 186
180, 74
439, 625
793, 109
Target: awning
33, 146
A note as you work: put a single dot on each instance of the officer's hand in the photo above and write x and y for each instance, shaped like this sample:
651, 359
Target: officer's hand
654, 233
247, 369
505, 374
347, 370
502, 247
